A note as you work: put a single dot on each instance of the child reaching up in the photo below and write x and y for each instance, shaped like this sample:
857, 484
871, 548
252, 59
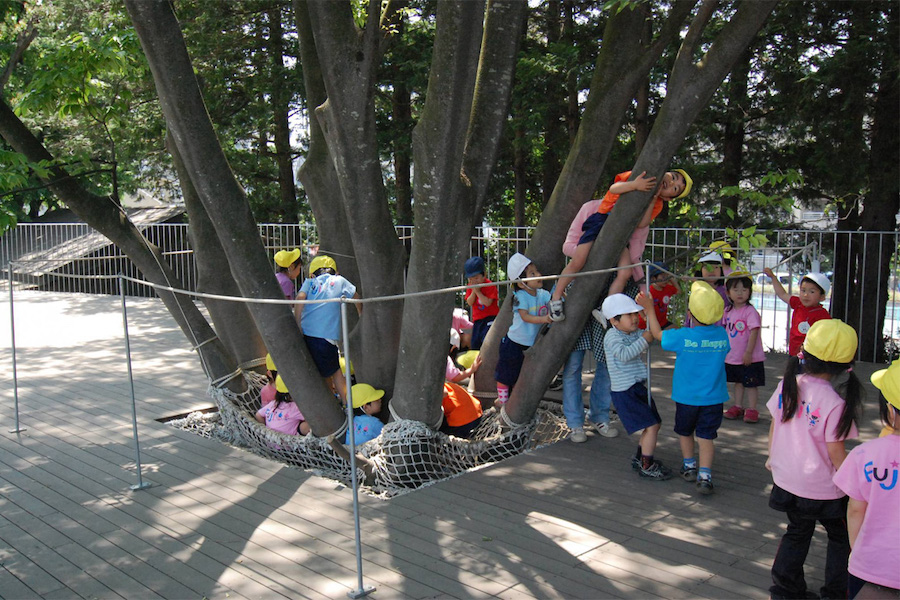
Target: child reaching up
811, 419
675, 184
807, 306
624, 345
321, 323
869, 477
281, 414
744, 363
529, 313
698, 381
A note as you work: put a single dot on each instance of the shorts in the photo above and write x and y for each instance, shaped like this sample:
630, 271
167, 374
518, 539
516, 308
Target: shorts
509, 362
591, 228
749, 376
702, 420
324, 354
633, 410
807, 508
479, 331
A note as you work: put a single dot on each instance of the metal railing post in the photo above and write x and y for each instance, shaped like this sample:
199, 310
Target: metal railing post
12, 335
141, 484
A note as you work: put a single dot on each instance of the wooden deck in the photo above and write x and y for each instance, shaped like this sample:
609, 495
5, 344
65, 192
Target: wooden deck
566, 521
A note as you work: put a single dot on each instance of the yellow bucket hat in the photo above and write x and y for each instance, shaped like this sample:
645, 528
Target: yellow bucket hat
285, 258
322, 262
688, 183
363, 393
270, 364
888, 381
466, 359
831, 340
705, 303
279, 385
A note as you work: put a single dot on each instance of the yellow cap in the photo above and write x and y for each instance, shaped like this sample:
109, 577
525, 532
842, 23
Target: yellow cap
688, 183
343, 363
270, 364
279, 385
723, 248
285, 258
466, 359
363, 393
831, 340
322, 262
888, 381
705, 303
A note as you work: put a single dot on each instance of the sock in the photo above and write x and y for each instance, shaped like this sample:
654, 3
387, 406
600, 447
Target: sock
689, 463
638, 454
502, 393
647, 461
705, 473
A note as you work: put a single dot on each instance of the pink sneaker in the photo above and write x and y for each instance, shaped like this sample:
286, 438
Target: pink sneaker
751, 416
735, 412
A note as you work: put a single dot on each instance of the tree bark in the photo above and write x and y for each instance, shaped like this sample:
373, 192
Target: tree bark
227, 207
280, 110
733, 136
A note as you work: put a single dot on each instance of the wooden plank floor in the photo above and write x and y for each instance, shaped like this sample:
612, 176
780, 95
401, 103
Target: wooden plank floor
566, 521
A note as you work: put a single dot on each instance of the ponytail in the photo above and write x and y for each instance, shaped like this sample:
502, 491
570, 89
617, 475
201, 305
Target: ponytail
789, 391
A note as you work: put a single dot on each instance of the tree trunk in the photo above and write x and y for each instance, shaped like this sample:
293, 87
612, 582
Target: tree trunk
733, 136
520, 175
227, 207
280, 110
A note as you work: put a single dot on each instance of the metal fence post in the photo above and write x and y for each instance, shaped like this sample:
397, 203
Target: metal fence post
141, 484
12, 334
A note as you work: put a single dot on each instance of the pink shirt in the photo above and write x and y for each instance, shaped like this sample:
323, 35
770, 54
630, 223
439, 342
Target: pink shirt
799, 455
285, 419
451, 372
636, 243
460, 320
870, 474
739, 322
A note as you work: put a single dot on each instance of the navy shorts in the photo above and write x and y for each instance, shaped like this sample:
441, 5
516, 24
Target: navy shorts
479, 331
591, 227
324, 354
509, 362
702, 420
633, 410
749, 376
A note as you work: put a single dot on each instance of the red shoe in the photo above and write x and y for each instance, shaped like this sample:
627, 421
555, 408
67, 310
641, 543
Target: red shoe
751, 416
735, 412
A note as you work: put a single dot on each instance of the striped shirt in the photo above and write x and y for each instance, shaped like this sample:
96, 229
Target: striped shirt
624, 359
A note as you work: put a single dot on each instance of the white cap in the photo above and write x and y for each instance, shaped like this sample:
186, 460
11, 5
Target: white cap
819, 279
454, 337
619, 304
711, 257
516, 265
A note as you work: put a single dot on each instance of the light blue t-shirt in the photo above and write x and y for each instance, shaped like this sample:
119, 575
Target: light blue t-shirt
699, 376
365, 428
525, 333
324, 320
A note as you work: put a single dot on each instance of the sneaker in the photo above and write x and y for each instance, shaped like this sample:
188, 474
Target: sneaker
735, 412
598, 316
705, 486
656, 471
556, 310
751, 416
688, 473
636, 464
603, 429
556, 384
577, 436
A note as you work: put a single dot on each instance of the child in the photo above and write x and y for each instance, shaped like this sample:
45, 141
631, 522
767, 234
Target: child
663, 288
463, 326
366, 404
454, 373
744, 363
484, 301
529, 313
624, 345
869, 476
281, 414
810, 421
675, 184
807, 306
698, 381
322, 323
289, 267
462, 411
268, 391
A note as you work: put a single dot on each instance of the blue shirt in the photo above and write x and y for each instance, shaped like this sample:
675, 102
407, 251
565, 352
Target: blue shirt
525, 333
699, 376
324, 320
365, 428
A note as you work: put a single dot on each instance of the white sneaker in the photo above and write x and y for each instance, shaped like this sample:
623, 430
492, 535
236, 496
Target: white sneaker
556, 310
577, 436
605, 429
598, 316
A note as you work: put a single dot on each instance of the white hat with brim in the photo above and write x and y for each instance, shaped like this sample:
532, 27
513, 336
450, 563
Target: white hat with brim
819, 279
711, 257
516, 265
619, 304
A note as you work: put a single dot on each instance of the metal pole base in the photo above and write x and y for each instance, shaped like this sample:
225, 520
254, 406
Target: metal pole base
361, 593
19, 430
141, 486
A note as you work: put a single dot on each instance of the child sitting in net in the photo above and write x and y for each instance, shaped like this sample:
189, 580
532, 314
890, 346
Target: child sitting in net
675, 184
281, 414
268, 391
366, 406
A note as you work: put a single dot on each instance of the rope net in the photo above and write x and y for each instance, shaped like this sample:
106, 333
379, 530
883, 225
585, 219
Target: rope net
406, 456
